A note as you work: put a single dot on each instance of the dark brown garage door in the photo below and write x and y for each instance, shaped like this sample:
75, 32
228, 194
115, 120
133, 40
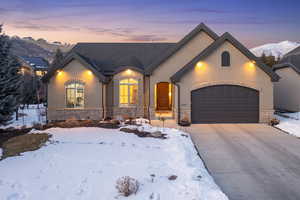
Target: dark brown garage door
225, 104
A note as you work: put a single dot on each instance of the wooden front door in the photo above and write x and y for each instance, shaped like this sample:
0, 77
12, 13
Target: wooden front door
162, 96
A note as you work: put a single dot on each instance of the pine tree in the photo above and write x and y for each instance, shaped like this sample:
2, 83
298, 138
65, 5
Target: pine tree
9, 81
58, 58
268, 60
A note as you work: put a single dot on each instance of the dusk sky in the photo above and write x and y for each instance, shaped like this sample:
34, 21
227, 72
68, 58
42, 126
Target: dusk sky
253, 22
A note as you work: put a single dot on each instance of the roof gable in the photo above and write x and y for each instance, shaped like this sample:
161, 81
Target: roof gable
201, 27
225, 37
83, 60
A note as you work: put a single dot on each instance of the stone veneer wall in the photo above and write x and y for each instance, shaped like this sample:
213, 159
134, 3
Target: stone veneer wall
79, 114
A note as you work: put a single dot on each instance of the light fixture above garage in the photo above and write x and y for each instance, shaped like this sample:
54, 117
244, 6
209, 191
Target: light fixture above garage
199, 64
252, 63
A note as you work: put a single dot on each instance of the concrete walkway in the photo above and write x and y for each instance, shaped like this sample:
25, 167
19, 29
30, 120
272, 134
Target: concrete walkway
250, 161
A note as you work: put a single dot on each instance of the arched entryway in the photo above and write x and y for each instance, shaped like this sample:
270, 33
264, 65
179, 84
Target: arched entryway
225, 104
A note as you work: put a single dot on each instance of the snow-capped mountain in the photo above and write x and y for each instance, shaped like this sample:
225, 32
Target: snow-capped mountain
275, 49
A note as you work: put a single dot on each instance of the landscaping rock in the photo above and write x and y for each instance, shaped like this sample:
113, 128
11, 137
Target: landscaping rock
156, 134
172, 177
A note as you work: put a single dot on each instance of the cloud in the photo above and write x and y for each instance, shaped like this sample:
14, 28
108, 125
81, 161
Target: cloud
4, 11
203, 10
128, 34
145, 38
43, 27
123, 32
225, 21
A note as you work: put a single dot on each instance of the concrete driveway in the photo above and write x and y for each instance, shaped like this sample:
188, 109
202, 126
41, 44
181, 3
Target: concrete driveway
250, 161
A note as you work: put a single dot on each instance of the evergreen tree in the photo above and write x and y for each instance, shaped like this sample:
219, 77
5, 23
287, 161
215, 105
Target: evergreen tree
9, 81
58, 58
268, 60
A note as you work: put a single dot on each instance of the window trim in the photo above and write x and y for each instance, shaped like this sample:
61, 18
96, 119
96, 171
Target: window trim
128, 105
66, 96
225, 59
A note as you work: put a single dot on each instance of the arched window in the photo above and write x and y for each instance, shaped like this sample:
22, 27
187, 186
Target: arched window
75, 95
128, 91
225, 59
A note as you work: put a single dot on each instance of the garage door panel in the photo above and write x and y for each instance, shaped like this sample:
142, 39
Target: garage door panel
225, 104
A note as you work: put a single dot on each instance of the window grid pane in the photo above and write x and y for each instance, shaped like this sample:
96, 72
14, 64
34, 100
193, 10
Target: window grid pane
75, 95
128, 91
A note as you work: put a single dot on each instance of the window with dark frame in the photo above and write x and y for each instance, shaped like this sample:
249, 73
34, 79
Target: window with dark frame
225, 59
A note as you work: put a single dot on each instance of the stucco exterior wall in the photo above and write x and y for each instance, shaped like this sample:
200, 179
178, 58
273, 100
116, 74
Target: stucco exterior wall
74, 71
286, 91
118, 110
240, 72
163, 72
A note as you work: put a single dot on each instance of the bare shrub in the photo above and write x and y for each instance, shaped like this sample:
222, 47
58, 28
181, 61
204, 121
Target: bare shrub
274, 122
37, 126
127, 186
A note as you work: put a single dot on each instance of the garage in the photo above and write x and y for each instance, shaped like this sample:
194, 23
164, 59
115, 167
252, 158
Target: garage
225, 104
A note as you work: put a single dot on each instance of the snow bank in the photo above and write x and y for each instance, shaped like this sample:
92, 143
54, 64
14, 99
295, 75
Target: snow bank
85, 163
290, 125
1, 152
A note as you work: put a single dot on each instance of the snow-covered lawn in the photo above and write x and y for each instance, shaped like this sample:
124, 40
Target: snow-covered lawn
85, 163
290, 125
28, 116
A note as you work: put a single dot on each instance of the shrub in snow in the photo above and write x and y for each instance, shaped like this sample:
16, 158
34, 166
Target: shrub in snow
274, 122
127, 186
185, 121
141, 121
172, 177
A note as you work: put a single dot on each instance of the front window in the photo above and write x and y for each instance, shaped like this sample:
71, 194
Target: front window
128, 92
39, 73
75, 95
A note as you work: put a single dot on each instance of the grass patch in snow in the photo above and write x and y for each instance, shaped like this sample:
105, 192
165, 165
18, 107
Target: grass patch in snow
19, 144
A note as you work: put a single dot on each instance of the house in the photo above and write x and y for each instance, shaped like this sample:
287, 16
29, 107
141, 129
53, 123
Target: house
204, 78
286, 91
38, 64
33, 69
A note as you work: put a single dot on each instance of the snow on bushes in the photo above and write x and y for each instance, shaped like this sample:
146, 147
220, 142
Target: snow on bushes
127, 186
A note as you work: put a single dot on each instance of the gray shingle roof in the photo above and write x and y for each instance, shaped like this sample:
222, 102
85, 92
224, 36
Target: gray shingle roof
295, 51
108, 57
36, 62
292, 60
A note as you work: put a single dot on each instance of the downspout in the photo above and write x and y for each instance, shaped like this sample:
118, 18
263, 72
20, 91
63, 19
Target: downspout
178, 114
103, 101
149, 98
